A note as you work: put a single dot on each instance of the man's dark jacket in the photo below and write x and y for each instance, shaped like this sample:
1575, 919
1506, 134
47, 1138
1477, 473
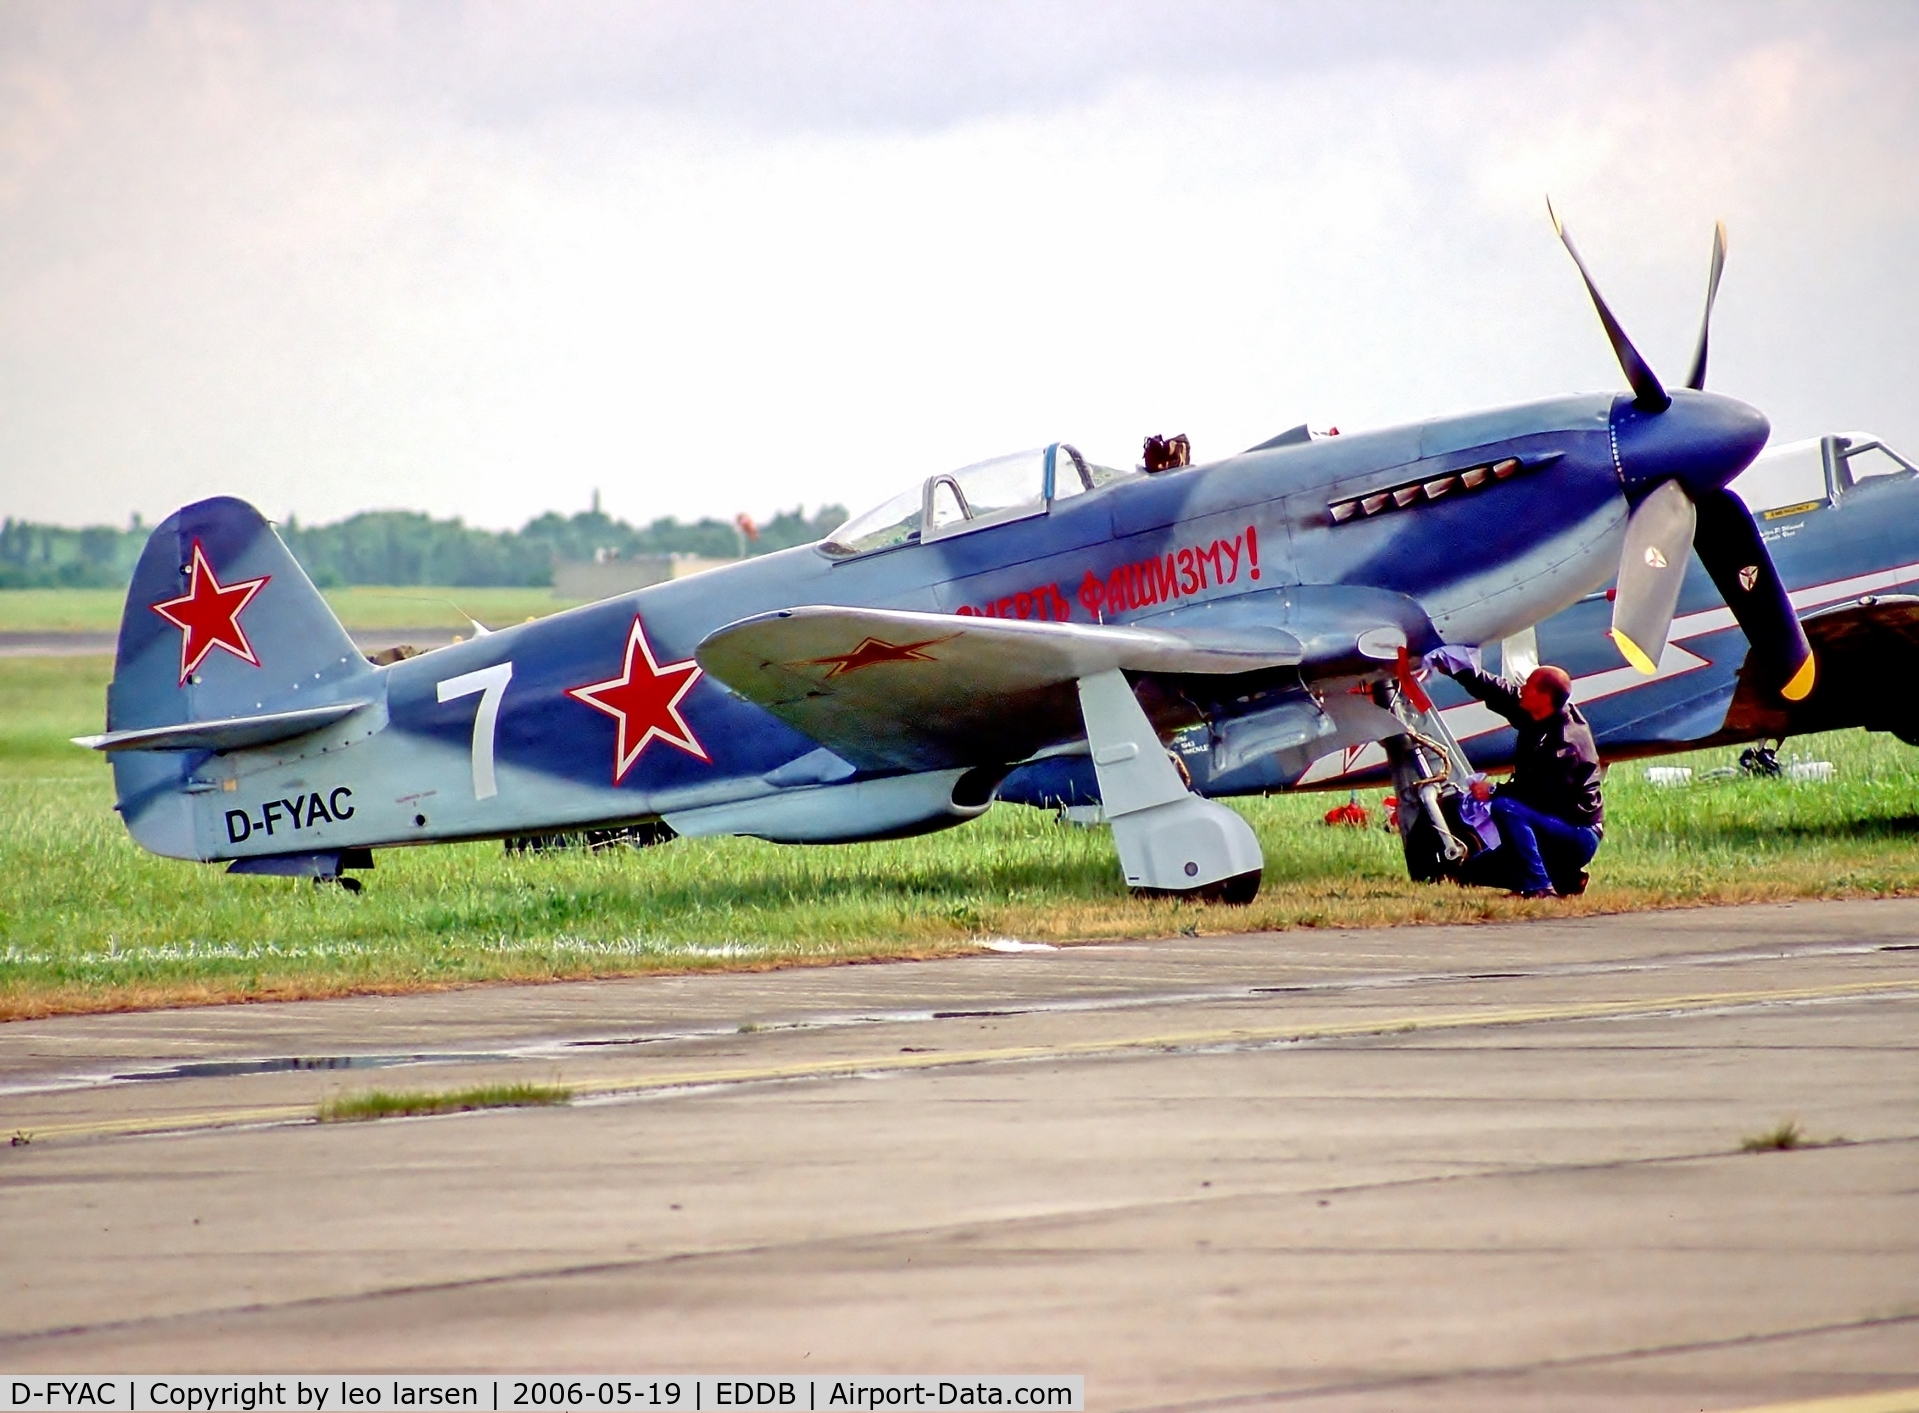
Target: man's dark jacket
1555, 764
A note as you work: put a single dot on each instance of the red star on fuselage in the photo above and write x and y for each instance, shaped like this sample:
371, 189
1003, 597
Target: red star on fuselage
645, 700
208, 615
871, 651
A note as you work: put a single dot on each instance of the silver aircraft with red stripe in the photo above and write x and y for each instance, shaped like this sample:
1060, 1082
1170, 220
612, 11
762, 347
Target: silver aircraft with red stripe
1028, 629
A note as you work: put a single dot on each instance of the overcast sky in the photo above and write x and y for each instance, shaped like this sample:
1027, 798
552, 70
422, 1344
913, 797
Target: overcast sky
483, 258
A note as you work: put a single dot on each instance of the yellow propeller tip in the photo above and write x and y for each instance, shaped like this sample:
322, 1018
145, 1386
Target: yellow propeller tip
1634, 654
1800, 687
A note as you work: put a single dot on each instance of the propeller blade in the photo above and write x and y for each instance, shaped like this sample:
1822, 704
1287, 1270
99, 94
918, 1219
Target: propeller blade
1734, 554
1696, 380
1648, 394
1651, 568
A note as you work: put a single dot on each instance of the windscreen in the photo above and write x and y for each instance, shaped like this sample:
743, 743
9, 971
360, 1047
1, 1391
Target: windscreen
892, 522
987, 492
1791, 475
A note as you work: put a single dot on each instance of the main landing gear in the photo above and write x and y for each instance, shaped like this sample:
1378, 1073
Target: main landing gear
1171, 842
1431, 775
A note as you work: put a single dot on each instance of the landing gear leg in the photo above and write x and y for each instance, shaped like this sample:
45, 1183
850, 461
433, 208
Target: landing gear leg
1427, 767
1170, 840
1425, 855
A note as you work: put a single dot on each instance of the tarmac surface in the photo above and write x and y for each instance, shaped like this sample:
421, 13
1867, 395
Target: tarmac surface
1481, 1168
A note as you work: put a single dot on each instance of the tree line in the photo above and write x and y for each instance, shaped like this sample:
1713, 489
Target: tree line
409, 547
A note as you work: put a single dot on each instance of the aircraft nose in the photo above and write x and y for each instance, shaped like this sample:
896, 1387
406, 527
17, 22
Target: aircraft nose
1702, 441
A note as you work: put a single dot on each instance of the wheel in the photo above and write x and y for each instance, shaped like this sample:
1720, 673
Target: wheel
1239, 890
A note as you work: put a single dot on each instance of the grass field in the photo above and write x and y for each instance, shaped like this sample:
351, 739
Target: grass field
361, 608
90, 922
413, 1103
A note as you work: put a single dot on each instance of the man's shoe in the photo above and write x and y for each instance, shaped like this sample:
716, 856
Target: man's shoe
1537, 893
1570, 885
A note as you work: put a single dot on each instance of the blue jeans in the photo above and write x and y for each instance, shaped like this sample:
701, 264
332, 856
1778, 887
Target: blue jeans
1526, 831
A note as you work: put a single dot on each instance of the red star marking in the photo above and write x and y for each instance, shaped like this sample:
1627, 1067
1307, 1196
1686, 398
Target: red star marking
645, 700
872, 650
208, 614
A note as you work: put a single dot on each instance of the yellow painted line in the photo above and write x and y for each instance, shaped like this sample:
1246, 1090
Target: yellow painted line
168, 1123
946, 1059
1240, 1035
1900, 1400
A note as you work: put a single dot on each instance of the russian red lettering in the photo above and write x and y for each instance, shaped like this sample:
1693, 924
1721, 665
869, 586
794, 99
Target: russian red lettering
1165, 578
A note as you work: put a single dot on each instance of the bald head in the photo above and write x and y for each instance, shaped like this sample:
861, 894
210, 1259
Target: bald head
1552, 680
1545, 692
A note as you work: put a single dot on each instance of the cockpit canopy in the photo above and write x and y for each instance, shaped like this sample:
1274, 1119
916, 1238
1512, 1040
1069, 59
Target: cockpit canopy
971, 498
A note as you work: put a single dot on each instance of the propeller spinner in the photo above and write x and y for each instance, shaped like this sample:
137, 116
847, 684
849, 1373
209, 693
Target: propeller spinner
1677, 451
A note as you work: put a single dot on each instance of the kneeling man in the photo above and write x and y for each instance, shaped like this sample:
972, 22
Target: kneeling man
1550, 813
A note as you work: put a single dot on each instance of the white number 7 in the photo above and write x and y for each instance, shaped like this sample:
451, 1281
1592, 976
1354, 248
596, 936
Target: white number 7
490, 683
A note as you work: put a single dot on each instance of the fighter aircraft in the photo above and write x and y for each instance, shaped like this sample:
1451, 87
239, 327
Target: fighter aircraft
983, 632
1840, 515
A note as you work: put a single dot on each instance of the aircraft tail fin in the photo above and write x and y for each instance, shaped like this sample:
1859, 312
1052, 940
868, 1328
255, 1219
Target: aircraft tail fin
220, 622
224, 642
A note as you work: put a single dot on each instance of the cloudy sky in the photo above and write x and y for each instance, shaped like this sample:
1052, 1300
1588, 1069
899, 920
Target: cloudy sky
484, 258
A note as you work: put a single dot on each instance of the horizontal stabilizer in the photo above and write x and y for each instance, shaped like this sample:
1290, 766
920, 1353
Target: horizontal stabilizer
888, 688
228, 734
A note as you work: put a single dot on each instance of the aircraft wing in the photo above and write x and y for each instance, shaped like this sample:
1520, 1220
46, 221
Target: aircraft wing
922, 691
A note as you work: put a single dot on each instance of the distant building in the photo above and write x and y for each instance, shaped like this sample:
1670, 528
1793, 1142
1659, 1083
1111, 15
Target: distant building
607, 574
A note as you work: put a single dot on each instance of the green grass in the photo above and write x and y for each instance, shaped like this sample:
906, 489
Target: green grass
1782, 1137
361, 607
90, 922
398, 1104
44, 701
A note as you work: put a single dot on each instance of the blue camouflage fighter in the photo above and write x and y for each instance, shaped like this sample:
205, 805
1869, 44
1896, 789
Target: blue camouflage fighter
1038, 629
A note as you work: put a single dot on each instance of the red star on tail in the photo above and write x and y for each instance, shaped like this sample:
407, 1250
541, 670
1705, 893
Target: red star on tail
645, 700
208, 615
